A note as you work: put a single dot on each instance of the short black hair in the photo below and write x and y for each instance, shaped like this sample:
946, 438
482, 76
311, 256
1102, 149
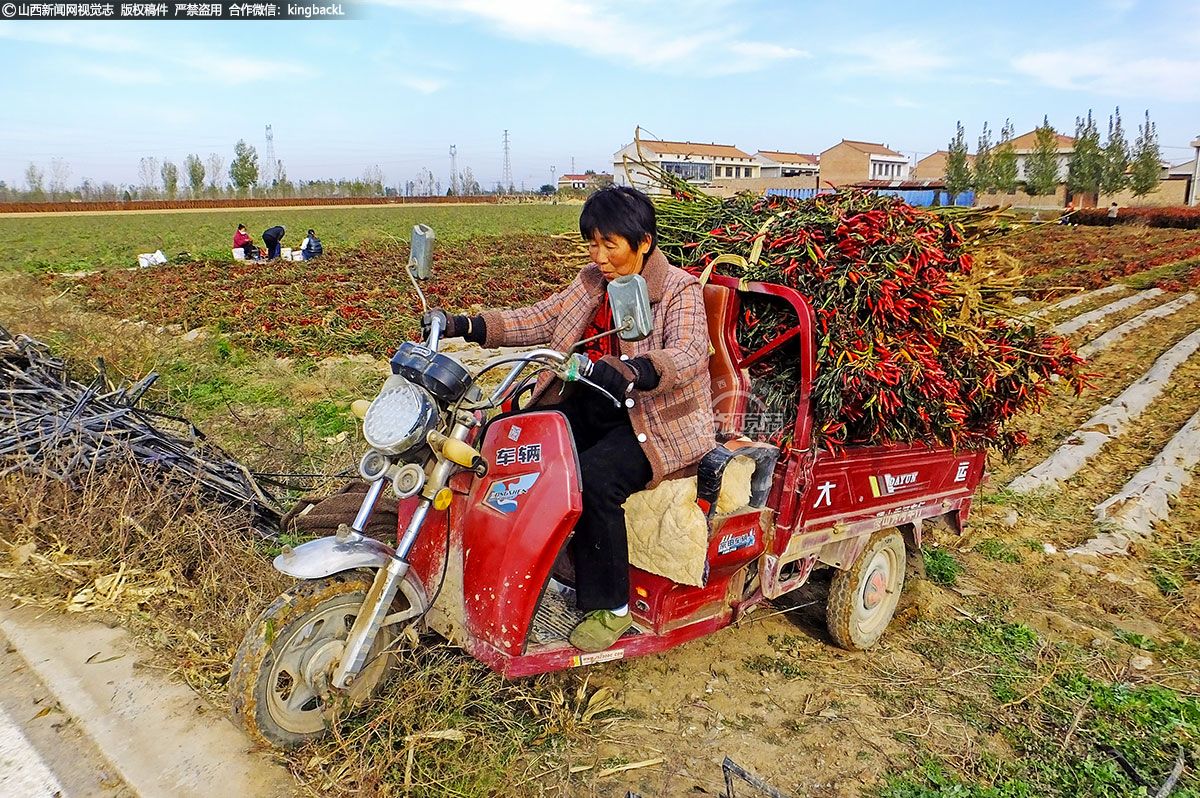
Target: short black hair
310, 232
241, 227
619, 211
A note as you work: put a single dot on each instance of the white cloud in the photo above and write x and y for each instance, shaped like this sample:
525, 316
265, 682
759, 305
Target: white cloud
667, 36
420, 84
160, 57
890, 58
1101, 69
235, 70
68, 35
125, 75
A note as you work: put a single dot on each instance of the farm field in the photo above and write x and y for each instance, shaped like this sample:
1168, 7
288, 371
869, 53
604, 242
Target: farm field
1011, 670
68, 243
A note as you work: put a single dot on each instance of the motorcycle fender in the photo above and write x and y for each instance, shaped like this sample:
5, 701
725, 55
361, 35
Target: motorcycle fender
517, 520
327, 556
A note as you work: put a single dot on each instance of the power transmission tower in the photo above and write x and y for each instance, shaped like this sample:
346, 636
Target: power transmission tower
272, 171
506, 177
454, 189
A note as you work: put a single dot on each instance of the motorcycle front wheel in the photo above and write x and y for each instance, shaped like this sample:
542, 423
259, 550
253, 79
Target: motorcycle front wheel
278, 684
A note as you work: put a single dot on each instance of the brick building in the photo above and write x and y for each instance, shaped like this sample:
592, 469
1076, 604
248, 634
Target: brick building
933, 166
702, 164
850, 162
787, 164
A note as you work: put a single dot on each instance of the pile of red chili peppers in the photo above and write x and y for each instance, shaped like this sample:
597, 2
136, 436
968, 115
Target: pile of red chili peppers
902, 355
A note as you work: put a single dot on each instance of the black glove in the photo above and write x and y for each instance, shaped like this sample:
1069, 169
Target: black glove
647, 376
613, 376
451, 328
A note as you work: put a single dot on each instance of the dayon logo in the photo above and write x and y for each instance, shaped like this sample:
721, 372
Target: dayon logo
887, 484
502, 494
734, 542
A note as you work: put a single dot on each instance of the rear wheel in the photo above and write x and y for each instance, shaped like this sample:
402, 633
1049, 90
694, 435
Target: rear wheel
863, 598
279, 686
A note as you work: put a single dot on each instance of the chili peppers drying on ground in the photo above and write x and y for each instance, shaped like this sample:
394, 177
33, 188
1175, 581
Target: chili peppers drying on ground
904, 350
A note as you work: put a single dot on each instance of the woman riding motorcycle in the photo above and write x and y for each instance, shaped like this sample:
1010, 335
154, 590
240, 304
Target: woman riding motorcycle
665, 421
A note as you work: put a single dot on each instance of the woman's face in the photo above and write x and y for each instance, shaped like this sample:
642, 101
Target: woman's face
615, 257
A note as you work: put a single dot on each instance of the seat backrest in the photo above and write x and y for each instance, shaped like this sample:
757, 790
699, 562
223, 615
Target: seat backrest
729, 385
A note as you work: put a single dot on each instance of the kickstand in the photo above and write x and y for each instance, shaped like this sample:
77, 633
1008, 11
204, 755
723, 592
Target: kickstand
731, 769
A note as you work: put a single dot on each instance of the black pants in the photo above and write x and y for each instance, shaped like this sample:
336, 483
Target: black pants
613, 467
272, 245
250, 250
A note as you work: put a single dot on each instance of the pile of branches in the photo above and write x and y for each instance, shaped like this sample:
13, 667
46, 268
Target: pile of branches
53, 426
906, 351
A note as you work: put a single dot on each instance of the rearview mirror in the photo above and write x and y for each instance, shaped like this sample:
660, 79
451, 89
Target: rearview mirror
420, 258
630, 302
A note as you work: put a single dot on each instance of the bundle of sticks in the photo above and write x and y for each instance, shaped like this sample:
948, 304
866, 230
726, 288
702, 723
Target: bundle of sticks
54, 426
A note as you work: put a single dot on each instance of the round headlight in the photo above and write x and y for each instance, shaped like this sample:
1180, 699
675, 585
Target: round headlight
399, 417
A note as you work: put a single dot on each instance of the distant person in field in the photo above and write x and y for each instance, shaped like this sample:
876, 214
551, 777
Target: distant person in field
1112, 214
242, 241
311, 248
273, 240
1066, 216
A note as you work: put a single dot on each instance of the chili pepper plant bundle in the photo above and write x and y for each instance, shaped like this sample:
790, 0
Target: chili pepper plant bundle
905, 351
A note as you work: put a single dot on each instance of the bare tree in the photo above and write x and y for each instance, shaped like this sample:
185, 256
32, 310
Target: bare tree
148, 171
216, 169
373, 177
467, 184
60, 172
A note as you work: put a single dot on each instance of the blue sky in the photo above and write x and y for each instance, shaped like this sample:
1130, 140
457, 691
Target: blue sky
573, 78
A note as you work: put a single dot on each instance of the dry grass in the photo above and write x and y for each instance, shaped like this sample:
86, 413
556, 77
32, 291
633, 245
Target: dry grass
187, 574
190, 578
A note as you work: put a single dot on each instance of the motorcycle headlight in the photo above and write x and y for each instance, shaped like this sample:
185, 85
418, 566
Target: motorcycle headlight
400, 416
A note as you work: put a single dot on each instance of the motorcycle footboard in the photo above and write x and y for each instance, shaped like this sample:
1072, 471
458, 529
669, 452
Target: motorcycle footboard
556, 616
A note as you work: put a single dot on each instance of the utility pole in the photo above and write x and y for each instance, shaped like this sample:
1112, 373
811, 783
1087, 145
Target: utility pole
572, 164
506, 177
552, 178
272, 170
1194, 192
454, 170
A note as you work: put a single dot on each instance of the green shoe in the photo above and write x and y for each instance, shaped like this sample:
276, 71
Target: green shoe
600, 629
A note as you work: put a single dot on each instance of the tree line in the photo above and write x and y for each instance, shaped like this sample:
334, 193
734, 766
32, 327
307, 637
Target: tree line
1092, 168
207, 178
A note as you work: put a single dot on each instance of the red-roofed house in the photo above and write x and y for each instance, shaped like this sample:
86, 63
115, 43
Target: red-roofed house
702, 164
848, 163
583, 182
787, 164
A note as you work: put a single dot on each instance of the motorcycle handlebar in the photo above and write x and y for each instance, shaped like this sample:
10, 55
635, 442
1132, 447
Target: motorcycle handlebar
567, 366
536, 356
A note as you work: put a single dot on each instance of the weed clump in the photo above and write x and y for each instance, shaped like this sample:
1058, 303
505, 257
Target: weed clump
941, 568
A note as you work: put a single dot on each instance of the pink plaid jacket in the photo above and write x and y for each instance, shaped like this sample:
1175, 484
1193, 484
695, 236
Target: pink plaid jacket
674, 421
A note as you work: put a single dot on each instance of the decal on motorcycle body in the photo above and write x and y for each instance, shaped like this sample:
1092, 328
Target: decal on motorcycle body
734, 542
886, 484
825, 494
530, 453
961, 476
504, 494
514, 433
599, 656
